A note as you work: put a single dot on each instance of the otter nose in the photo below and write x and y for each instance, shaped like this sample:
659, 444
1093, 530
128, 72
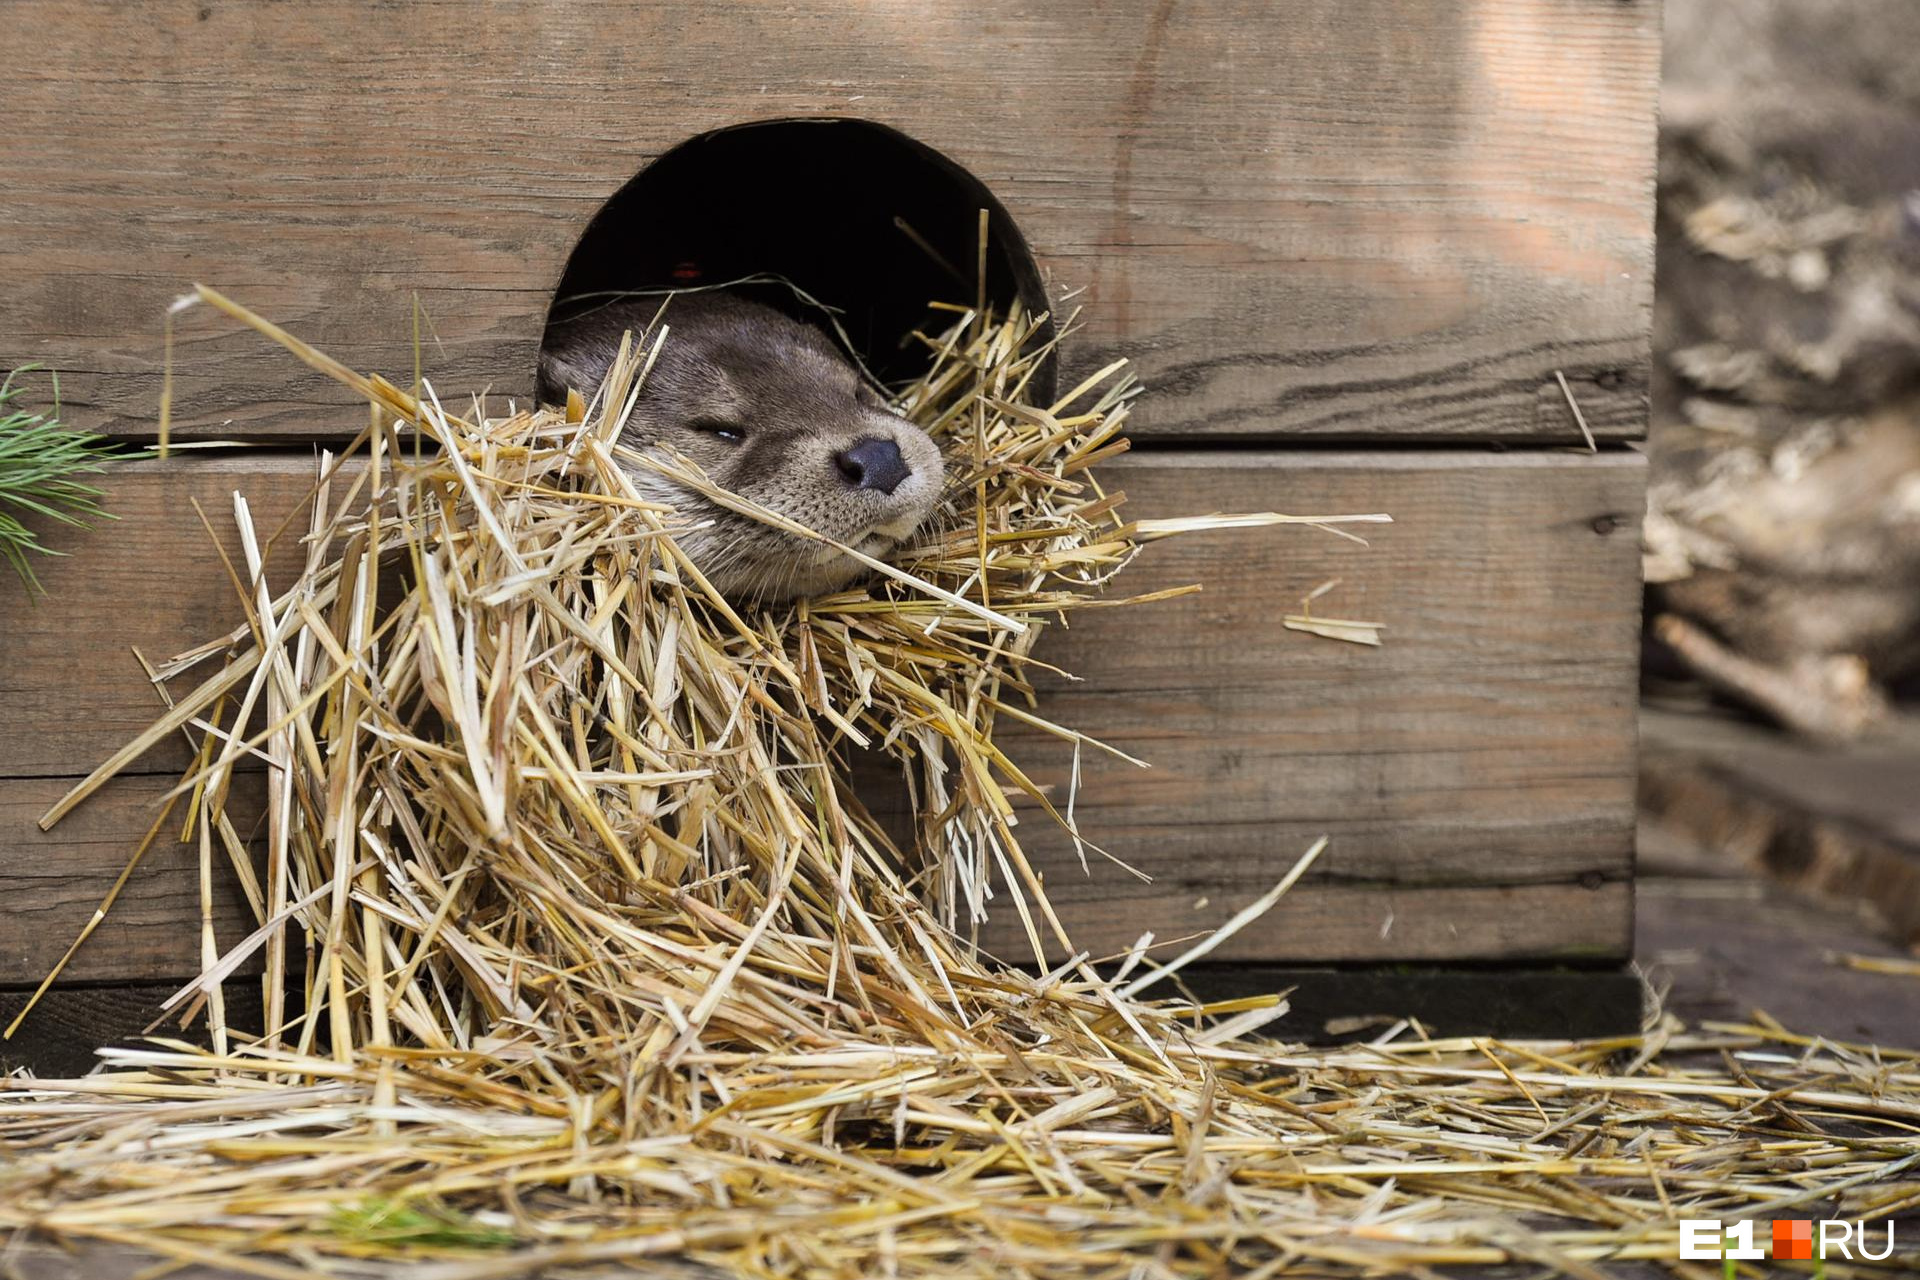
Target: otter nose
873, 463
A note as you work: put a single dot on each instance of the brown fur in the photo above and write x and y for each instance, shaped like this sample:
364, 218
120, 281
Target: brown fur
797, 404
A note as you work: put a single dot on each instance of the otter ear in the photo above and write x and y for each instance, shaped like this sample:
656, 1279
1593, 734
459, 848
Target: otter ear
558, 375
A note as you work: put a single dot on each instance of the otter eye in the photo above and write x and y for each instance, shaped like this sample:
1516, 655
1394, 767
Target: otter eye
719, 428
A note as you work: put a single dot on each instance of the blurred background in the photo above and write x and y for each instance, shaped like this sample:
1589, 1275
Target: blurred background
1781, 729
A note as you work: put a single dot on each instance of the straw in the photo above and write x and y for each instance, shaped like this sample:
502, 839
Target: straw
580, 948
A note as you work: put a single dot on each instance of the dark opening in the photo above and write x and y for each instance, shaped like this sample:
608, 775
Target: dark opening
857, 215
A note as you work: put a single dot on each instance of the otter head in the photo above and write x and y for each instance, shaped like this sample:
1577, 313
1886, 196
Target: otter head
770, 410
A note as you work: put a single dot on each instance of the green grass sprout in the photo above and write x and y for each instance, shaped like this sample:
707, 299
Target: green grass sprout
386, 1220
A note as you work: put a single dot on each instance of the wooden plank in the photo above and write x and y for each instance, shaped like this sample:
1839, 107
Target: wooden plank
1475, 773
153, 580
1836, 823
52, 882
1727, 945
1730, 947
1332, 218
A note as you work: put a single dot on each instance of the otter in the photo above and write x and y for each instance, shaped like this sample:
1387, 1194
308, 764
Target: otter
772, 411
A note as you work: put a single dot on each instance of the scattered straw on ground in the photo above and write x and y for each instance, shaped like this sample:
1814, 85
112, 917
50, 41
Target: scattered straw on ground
578, 948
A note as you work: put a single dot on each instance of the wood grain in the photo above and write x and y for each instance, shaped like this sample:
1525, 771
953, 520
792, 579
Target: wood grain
52, 882
152, 580
1339, 219
1475, 774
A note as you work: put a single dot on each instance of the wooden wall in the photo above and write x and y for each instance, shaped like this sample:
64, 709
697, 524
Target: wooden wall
1337, 219
1475, 773
1383, 224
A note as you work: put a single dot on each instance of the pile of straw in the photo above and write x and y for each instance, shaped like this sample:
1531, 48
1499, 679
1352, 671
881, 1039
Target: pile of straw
578, 946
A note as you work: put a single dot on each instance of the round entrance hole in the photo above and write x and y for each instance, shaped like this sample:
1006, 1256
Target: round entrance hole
857, 216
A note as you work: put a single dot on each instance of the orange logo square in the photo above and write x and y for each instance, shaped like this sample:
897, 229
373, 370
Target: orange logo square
1792, 1238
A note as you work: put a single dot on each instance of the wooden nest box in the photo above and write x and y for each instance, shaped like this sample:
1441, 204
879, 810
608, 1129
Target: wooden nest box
1367, 255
